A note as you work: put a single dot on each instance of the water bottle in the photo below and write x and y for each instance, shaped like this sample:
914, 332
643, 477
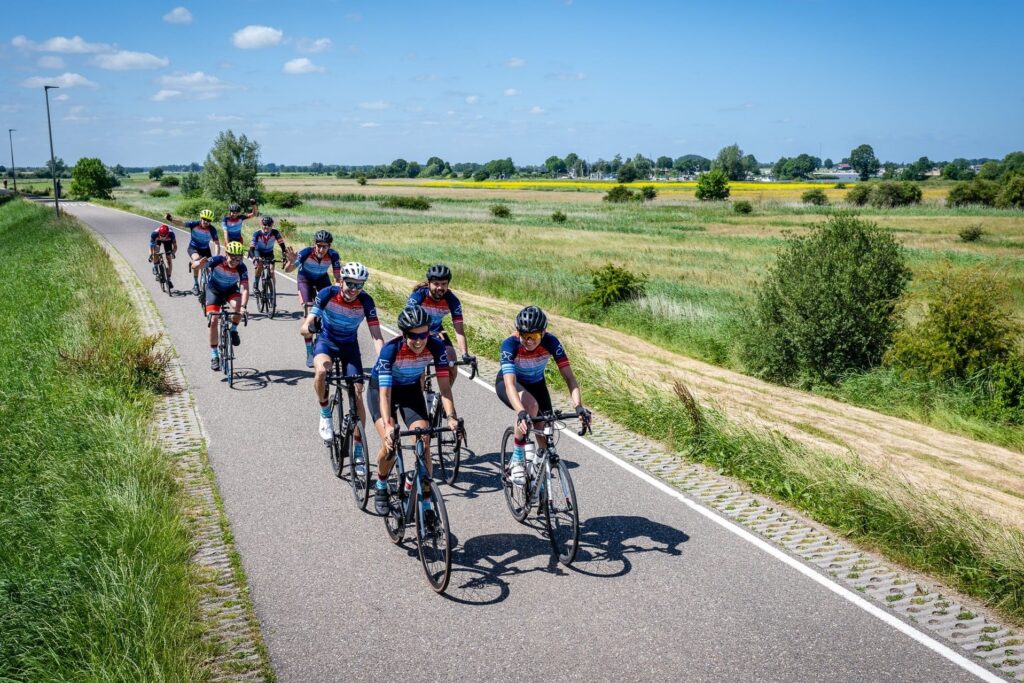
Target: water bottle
431, 402
407, 488
531, 455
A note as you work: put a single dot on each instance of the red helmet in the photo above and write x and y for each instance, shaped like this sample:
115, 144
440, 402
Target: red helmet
163, 231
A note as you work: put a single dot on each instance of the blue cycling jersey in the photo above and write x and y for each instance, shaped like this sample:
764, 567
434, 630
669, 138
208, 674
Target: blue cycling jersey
397, 365
528, 366
437, 309
201, 235
223, 278
312, 268
341, 318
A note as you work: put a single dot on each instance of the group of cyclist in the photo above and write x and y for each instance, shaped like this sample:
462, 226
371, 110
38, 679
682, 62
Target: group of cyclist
335, 311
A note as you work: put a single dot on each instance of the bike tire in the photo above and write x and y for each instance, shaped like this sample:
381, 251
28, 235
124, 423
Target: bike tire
229, 367
516, 497
449, 450
435, 545
261, 305
394, 521
336, 445
561, 514
360, 482
270, 294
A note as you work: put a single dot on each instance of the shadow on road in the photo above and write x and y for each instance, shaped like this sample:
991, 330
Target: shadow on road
251, 379
478, 474
606, 543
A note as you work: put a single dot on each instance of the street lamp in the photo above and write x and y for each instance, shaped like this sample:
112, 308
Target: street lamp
14, 171
53, 160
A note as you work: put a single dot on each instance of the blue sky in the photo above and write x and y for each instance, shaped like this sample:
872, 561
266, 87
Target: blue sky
362, 82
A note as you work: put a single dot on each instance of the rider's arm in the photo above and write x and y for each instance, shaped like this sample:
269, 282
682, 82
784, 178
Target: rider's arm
293, 263
460, 337
556, 350
372, 322
444, 385
570, 381
243, 283
335, 264
455, 306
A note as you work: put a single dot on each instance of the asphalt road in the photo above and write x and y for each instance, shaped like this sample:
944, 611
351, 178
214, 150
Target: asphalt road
657, 591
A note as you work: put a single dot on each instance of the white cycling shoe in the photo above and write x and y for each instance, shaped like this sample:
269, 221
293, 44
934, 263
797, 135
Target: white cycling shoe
517, 472
326, 429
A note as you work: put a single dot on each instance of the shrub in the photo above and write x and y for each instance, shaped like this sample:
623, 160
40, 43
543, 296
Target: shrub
170, 181
481, 176
402, 202
743, 206
815, 196
361, 179
840, 186
619, 194
712, 186
558, 217
284, 200
649, 192
612, 284
159, 192
966, 327
972, 233
1006, 390
827, 305
1012, 194
286, 227
500, 211
889, 193
189, 209
978, 191
191, 186
859, 194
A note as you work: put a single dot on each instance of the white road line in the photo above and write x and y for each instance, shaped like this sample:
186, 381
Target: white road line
840, 590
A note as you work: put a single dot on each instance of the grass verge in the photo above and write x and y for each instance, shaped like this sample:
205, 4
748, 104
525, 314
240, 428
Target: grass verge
95, 580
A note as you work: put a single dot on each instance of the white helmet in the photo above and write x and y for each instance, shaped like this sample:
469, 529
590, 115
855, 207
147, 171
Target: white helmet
354, 270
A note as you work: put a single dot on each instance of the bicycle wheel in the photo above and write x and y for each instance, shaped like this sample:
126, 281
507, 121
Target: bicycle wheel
360, 482
435, 543
516, 497
394, 521
560, 512
448, 449
270, 295
335, 445
261, 304
229, 364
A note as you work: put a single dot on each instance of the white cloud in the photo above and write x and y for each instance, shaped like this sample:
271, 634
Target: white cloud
65, 80
369, 124
202, 85
153, 119
515, 62
536, 110
165, 95
74, 45
127, 61
178, 15
225, 117
511, 92
472, 99
61, 98
319, 45
75, 114
50, 62
568, 76
252, 37
301, 66
375, 105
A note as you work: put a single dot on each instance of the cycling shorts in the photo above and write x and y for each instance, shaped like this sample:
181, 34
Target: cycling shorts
168, 247
539, 391
214, 300
308, 289
345, 355
202, 251
407, 398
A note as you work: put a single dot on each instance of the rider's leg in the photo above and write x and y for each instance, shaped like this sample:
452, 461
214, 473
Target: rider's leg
168, 257
453, 371
322, 367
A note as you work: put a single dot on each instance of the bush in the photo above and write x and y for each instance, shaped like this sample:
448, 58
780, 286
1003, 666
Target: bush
191, 186
619, 194
1012, 194
402, 202
743, 206
1005, 380
840, 186
284, 200
649, 192
170, 181
859, 194
815, 196
972, 233
361, 179
558, 217
286, 227
612, 285
889, 193
500, 211
189, 209
978, 191
827, 305
481, 176
712, 186
967, 326
159, 192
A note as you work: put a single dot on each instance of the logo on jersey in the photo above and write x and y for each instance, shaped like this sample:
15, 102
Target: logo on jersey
383, 365
506, 356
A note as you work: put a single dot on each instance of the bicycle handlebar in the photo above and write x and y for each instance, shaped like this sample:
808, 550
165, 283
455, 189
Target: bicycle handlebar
471, 362
224, 310
397, 432
558, 416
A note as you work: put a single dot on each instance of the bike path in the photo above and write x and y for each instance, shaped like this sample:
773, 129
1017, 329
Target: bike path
657, 590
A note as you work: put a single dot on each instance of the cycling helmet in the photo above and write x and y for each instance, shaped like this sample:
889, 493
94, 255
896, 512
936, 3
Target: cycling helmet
234, 208
531, 319
267, 221
163, 231
355, 271
323, 236
235, 248
206, 214
412, 317
439, 271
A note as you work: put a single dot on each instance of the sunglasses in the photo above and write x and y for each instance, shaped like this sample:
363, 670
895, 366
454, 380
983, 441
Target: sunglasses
417, 336
531, 336
354, 285
321, 245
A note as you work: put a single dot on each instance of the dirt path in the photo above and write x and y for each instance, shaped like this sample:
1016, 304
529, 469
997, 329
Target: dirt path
986, 477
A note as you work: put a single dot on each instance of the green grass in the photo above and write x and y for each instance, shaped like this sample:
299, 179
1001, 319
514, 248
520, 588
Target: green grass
95, 579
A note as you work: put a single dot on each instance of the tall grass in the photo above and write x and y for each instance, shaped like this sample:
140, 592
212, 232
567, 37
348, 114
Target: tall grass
95, 581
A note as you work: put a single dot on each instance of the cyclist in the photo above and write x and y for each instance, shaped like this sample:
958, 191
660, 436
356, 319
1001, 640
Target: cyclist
203, 233
336, 315
163, 236
520, 382
262, 246
434, 295
228, 284
232, 223
395, 387
313, 264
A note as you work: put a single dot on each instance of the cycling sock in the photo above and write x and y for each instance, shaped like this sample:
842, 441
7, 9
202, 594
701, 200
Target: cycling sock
324, 410
214, 352
234, 327
309, 348
518, 450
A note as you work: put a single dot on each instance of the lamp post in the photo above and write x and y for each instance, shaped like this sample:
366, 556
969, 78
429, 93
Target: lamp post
14, 171
53, 160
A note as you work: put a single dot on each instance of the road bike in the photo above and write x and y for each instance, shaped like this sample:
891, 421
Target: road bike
448, 446
224, 346
265, 290
406, 505
160, 271
204, 281
346, 428
548, 485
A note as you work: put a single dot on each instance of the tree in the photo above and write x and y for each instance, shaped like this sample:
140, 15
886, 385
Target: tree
1012, 194
316, 168
413, 169
750, 165
156, 173
889, 170
690, 164
917, 170
59, 165
730, 161
958, 169
864, 162
828, 164
554, 165
119, 171
90, 178
978, 191
230, 170
572, 161
627, 173
191, 186
500, 167
663, 163
713, 185
398, 168
797, 167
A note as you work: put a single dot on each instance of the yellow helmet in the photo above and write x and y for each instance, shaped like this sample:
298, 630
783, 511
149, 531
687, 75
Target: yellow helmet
235, 248
207, 214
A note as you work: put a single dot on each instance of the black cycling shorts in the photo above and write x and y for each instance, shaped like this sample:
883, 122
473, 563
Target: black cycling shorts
539, 391
202, 251
405, 397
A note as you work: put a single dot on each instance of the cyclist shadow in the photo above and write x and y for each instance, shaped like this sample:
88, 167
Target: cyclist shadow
251, 379
482, 565
606, 543
478, 474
